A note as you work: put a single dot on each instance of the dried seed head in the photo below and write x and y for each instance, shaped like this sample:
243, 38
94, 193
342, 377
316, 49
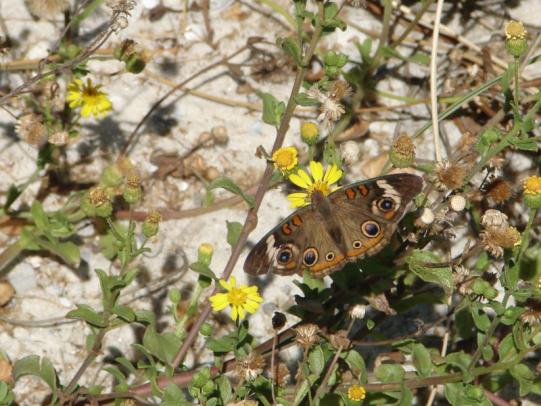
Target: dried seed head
358, 311
350, 152
306, 335
31, 129
46, 8
449, 175
60, 138
495, 239
339, 89
427, 217
281, 375
457, 203
532, 315
402, 152
211, 173
499, 191
250, 367
220, 134
340, 339
494, 218
278, 321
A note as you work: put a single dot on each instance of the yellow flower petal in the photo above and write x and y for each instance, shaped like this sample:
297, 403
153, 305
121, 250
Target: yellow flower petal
234, 313
225, 284
332, 174
298, 199
316, 169
219, 301
301, 179
241, 312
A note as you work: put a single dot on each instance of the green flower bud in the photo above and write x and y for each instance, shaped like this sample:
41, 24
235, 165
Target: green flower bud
132, 194
204, 253
402, 152
151, 225
175, 296
104, 210
99, 199
88, 208
135, 63
111, 176
515, 38
206, 330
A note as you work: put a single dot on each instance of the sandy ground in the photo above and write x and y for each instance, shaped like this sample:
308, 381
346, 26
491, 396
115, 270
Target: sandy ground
47, 290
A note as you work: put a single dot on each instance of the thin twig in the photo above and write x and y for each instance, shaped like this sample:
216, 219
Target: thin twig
433, 81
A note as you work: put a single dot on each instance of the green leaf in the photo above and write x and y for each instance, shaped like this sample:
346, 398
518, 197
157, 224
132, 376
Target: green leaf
34, 365
40, 217
511, 314
203, 269
524, 144
230, 186
124, 312
222, 345
163, 346
302, 99
330, 155
316, 360
417, 262
507, 349
68, 251
365, 49
86, 313
462, 361
356, 363
272, 109
480, 319
115, 372
421, 360
234, 229
389, 373
301, 392
12, 194
173, 396
524, 377
291, 47
224, 386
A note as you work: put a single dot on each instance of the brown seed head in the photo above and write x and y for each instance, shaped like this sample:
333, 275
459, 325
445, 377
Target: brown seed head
250, 367
278, 321
306, 335
339, 89
31, 129
281, 374
499, 191
449, 175
340, 339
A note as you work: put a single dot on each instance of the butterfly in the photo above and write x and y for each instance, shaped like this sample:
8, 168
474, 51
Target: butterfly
353, 222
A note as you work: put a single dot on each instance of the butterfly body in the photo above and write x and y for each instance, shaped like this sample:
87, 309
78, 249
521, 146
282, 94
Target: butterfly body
353, 222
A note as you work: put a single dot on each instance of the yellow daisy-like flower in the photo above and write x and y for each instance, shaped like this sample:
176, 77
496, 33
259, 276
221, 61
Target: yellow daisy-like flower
322, 182
532, 192
241, 299
285, 158
90, 97
356, 393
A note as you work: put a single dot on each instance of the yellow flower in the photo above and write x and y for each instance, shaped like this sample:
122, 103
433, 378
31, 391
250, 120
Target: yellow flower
309, 132
321, 182
356, 393
241, 299
515, 30
90, 97
532, 192
285, 158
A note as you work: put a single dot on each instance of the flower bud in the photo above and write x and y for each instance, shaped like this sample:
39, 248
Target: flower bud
135, 63
98, 198
515, 38
402, 152
309, 132
111, 176
175, 296
532, 192
206, 330
151, 225
204, 253
278, 321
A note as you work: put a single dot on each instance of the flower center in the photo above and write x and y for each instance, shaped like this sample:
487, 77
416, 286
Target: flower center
236, 297
322, 187
533, 185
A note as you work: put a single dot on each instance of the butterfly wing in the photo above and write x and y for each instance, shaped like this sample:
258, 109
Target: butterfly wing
293, 245
368, 212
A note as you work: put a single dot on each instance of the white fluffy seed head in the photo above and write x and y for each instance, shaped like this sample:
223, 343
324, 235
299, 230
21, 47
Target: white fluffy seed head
427, 217
350, 152
457, 203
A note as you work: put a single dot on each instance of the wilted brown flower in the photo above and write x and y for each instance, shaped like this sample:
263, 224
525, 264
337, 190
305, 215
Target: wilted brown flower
340, 339
250, 367
533, 313
339, 89
449, 175
330, 108
306, 335
494, 218
281, 374
32, 130
495, 239
60, 137
499, 191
